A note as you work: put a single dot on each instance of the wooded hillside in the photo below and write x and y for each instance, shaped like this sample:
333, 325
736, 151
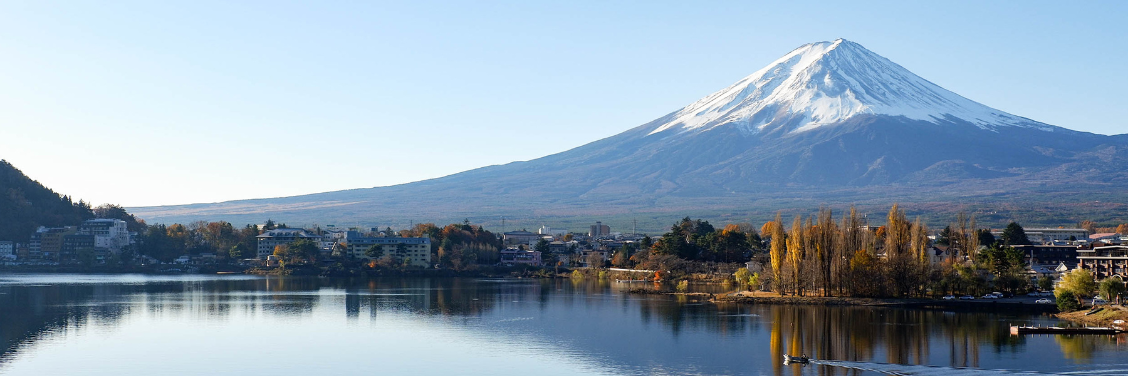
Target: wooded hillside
25, 205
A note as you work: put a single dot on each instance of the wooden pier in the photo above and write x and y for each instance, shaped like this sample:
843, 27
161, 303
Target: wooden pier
1020, 330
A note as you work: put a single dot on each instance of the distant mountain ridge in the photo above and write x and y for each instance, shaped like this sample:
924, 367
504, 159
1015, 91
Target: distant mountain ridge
828, 123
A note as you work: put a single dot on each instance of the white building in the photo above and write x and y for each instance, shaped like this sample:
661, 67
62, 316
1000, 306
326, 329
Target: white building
282, 236
109, 234
545, 230
330, 239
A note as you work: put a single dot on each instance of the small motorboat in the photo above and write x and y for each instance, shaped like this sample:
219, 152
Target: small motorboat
802, 359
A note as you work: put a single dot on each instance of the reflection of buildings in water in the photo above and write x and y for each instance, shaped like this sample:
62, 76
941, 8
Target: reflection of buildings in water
352, 303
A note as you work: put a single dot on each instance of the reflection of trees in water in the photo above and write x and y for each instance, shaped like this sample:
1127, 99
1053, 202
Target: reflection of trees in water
1080, 348
427, 296
682, 312
26, 312
840, 333
29, 311
861, 333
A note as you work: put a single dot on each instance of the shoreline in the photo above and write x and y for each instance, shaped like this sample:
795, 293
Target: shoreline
916, 303
294, 271
1103, 318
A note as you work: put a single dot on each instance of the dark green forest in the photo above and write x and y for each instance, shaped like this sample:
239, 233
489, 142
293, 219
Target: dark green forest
25, 205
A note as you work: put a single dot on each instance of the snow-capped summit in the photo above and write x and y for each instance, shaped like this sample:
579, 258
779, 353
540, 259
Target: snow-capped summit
824, 83
830, 124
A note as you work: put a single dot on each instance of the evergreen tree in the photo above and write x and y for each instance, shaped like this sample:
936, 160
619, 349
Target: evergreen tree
545, 251
374, 252
945, 237
645, 243
986, 238
1014, 235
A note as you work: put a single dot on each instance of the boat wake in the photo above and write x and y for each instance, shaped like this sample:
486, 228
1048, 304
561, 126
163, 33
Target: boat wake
898, 369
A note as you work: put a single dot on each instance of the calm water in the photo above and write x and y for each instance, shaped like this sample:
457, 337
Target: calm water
239, 325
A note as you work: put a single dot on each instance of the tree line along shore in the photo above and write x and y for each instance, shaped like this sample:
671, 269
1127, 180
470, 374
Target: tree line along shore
820, 254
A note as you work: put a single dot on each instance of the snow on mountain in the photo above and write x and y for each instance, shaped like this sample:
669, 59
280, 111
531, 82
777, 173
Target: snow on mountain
888, 136
825, 83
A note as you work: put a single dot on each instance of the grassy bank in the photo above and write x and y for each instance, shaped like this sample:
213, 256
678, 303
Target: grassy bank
1104, 317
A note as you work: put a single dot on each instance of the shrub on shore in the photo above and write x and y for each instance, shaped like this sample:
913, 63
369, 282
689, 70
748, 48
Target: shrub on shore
1067, 301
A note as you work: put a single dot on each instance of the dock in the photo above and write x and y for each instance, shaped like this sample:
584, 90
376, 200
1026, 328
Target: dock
1020, 330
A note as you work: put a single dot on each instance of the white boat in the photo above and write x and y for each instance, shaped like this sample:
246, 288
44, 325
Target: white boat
788, 359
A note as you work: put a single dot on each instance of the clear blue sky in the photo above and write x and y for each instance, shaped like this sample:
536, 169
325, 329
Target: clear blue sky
162, 102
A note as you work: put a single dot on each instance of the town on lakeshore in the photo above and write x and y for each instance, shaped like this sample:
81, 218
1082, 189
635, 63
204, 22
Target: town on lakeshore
815, 256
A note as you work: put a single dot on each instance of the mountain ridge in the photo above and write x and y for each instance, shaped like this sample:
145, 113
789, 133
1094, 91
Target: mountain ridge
808, 136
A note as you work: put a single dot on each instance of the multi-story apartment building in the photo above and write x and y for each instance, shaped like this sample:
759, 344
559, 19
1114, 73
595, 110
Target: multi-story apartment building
1105, 262
272, 238
7, 250
109, 234
1049, 254
416, 250
46, 243
599, 230
75, 244
514, 256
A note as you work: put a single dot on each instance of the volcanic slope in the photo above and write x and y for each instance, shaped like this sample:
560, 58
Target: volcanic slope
828, 123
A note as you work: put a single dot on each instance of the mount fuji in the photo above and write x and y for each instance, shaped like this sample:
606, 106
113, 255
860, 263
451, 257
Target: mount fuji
828, 83
829, 123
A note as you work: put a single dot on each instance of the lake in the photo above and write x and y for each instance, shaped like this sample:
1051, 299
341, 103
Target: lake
128, 325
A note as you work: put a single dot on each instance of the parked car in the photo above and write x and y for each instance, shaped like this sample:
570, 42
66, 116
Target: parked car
967, 297
990, 296
1099, 301
949, 297
1044, 301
